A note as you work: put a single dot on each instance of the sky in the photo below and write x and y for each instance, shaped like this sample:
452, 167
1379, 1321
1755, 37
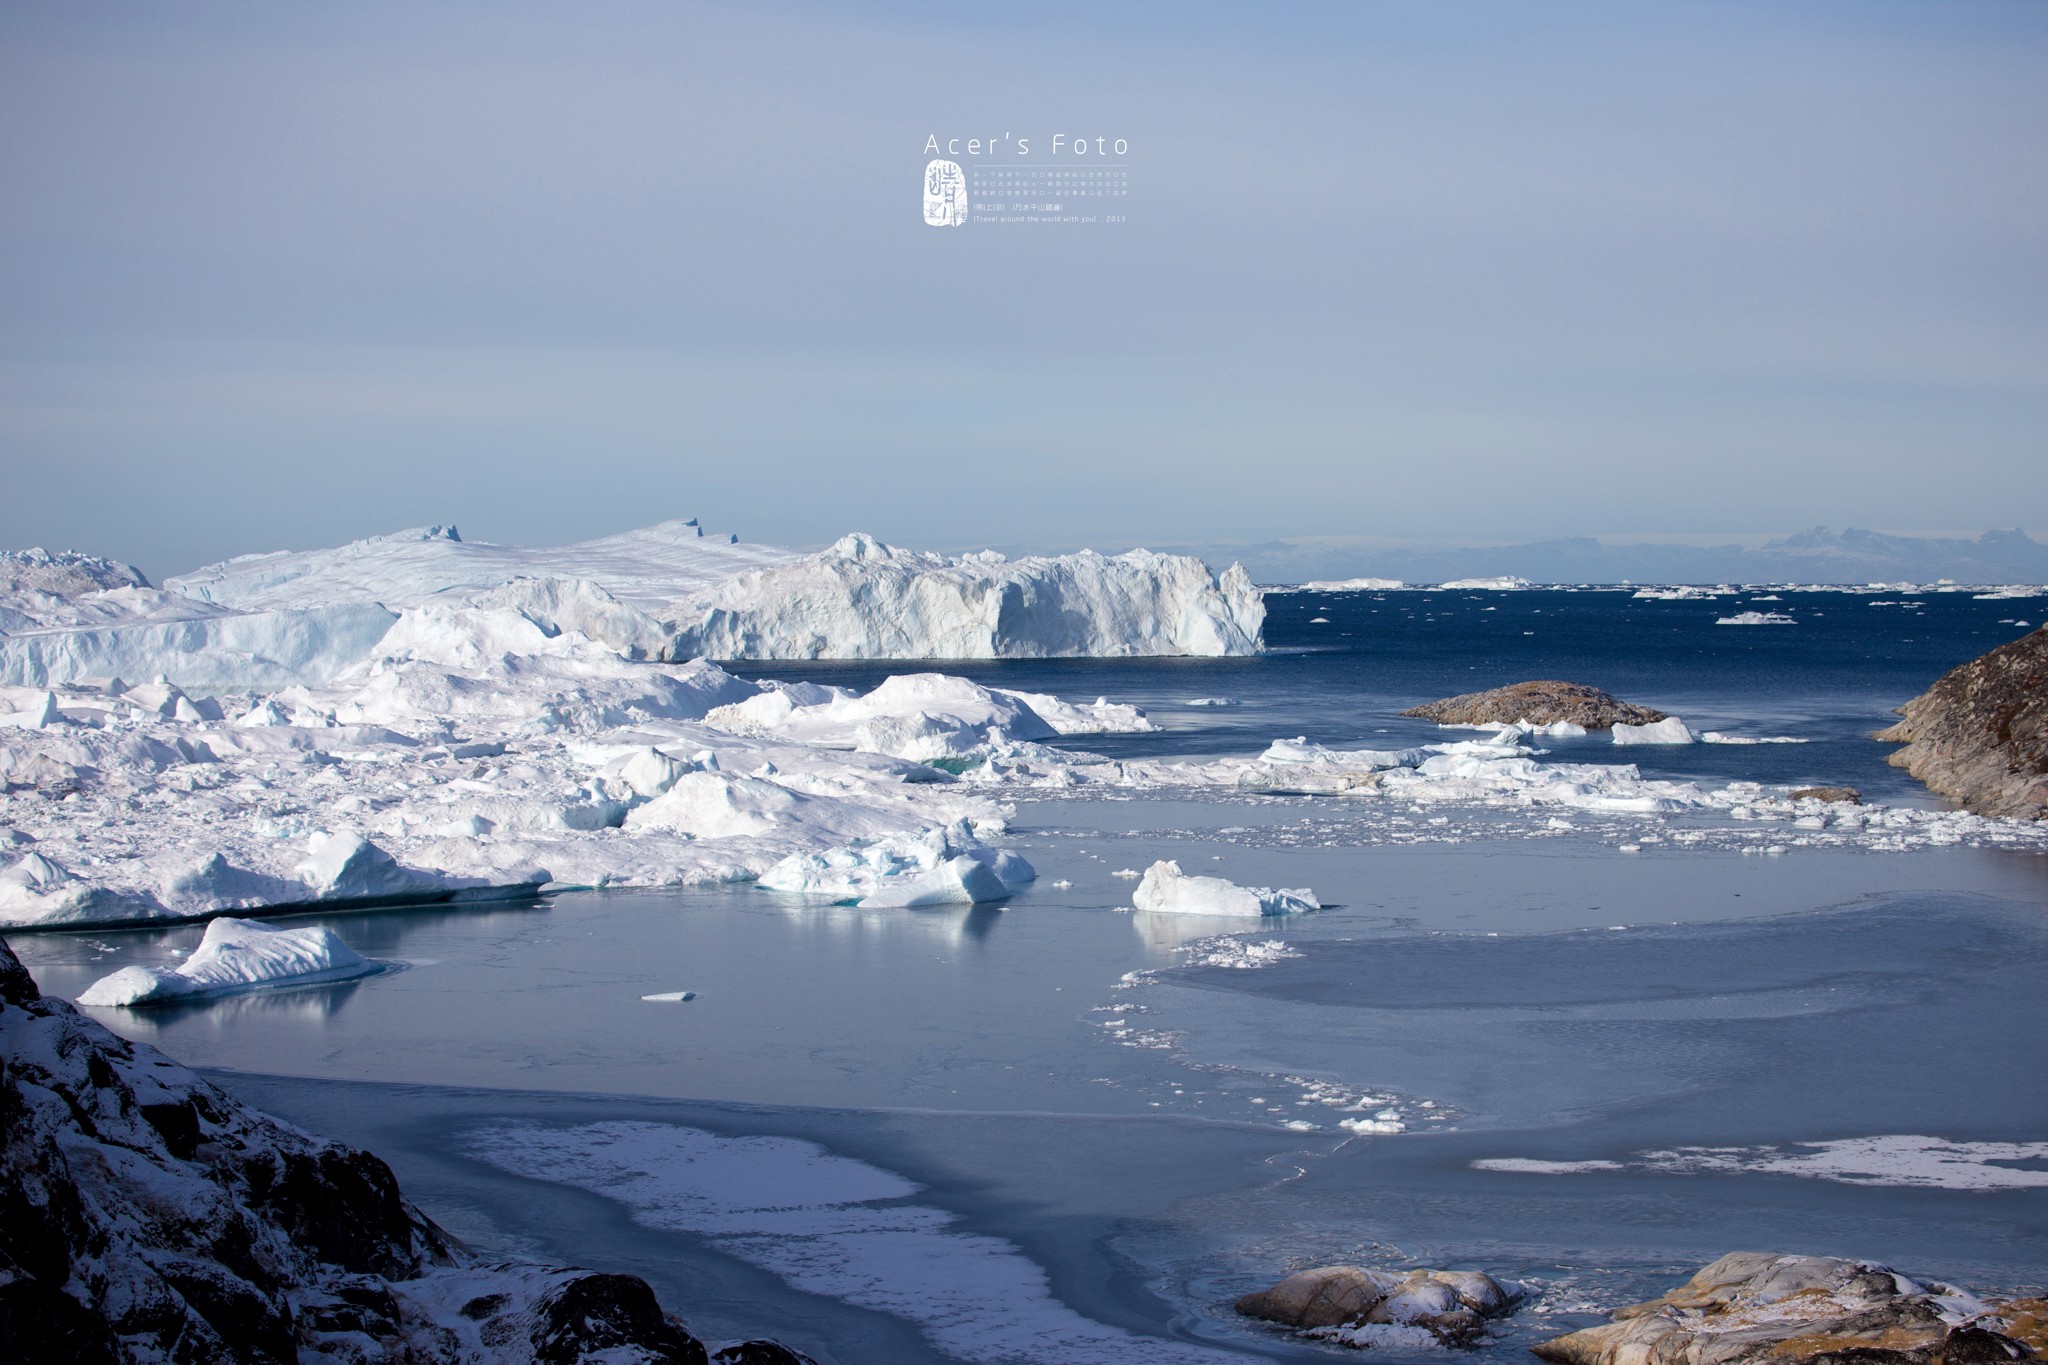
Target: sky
282, 276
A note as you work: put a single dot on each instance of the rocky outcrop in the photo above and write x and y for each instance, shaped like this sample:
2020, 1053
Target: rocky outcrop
147, 1216
1980, 734
1758, 1306
1834, 796
1538, 703
1340, 1302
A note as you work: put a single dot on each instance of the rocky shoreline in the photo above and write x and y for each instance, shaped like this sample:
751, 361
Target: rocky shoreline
1748, 1306
147, 1216
1980, 734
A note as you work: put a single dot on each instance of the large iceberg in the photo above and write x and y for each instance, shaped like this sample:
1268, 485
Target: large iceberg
666, 592
862, 599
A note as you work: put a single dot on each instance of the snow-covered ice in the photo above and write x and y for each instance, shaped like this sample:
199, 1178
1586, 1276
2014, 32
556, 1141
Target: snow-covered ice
1670, 730
236, 955
1757, 618
862, 599
829, 1225
1166, 889
664, 592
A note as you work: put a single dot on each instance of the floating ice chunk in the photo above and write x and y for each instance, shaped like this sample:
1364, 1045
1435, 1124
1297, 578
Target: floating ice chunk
1505, 583
670, 997
1209, 701
905, 871
1670, 730
236, 955
1757, 618
1716, 737
1165, 888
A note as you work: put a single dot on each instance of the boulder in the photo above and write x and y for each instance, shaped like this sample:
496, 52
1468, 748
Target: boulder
1847, 796
1538, 703
1450, 1305
1980, 734
1819, 1310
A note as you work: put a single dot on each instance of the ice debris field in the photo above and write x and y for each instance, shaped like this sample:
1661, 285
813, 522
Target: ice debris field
416, 718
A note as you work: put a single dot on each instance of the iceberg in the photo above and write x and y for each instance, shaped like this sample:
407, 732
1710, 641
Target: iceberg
1757, 618
236, 955
944, 867
1353, 585
1505, 583
1670, 730
1166, 889
862, 599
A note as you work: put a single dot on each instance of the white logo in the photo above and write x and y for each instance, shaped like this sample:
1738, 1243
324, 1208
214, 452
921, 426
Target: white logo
945, 194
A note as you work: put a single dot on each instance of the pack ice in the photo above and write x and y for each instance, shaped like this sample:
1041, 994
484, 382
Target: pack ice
416, 717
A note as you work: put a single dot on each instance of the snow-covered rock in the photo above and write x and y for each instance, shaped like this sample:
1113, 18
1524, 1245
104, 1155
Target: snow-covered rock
236, 955
862, 599
1165, 888
154, 1217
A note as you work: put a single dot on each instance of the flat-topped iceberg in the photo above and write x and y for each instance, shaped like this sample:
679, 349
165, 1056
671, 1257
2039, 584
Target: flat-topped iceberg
862, 599
666, 592
1166, 889
236, 955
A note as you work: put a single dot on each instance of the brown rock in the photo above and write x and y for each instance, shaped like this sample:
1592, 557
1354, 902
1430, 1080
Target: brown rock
1539, 703
1843, 795
1792, 1310
1980, 734
1450, 1304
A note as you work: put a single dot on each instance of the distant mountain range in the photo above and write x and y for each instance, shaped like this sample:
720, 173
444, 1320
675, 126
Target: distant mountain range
1816, 556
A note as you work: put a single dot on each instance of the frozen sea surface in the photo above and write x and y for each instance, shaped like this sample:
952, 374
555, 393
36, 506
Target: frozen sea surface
1057, 1129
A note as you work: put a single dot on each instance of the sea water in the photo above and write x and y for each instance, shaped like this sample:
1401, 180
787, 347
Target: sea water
1061, 1130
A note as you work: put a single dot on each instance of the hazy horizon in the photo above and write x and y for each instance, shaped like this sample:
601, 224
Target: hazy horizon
1437, 273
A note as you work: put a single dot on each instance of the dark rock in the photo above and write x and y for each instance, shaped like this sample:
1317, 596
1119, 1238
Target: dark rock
599, 1312
1539, 703
759, 1353
1980, 734
1834, 795
1450, 1304
1979, 1346
146, 1216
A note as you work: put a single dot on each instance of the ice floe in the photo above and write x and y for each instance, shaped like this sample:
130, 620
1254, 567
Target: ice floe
1757, 618
1888, 1159
236, 955
832, 1226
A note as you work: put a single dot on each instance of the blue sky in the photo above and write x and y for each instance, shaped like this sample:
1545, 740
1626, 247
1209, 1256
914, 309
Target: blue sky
285, 275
